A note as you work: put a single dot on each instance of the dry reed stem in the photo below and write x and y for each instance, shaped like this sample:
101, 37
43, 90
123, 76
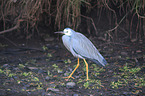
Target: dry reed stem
68, 12
13, 28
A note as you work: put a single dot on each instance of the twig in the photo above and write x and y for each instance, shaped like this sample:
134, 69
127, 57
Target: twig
13, 28
140, 15
136, 61
114, 15
91, 21
125, 32
3, 15
118, 23
10, 41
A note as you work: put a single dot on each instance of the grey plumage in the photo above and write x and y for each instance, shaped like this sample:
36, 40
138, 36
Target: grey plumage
81, 47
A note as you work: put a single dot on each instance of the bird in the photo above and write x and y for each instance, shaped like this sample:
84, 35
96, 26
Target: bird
81, 47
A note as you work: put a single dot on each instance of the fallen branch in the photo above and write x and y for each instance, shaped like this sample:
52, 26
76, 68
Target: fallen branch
13, 28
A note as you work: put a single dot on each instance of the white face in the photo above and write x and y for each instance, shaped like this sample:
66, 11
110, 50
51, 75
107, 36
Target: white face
67, 31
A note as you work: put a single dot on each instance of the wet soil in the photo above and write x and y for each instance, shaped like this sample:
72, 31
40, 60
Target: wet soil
37, 68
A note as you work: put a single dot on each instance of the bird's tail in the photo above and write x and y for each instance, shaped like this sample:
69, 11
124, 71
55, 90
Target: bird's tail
100, 60
97, 62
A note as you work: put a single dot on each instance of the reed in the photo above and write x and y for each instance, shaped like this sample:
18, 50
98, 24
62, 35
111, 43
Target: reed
67, 13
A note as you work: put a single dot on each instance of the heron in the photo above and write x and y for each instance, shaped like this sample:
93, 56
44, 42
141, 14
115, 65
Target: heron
81, 47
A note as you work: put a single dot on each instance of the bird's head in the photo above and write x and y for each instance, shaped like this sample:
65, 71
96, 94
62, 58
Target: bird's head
67, 31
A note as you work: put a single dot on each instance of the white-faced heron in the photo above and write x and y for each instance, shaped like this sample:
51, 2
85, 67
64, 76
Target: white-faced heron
81, 47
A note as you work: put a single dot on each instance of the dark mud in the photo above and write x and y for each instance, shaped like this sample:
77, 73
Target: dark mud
37, 68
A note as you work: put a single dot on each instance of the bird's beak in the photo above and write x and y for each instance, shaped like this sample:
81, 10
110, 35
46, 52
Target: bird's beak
59, 32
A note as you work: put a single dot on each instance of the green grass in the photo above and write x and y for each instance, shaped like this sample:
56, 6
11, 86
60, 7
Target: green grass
23, 77
129, 76
3, 45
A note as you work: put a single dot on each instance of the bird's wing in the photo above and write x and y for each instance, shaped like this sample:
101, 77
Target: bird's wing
66, 41
84, 47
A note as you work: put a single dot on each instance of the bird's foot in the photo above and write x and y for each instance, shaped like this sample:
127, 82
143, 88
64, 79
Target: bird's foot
68, 78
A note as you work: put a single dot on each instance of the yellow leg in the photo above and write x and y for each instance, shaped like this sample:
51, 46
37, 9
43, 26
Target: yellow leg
86, 69
70, 76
